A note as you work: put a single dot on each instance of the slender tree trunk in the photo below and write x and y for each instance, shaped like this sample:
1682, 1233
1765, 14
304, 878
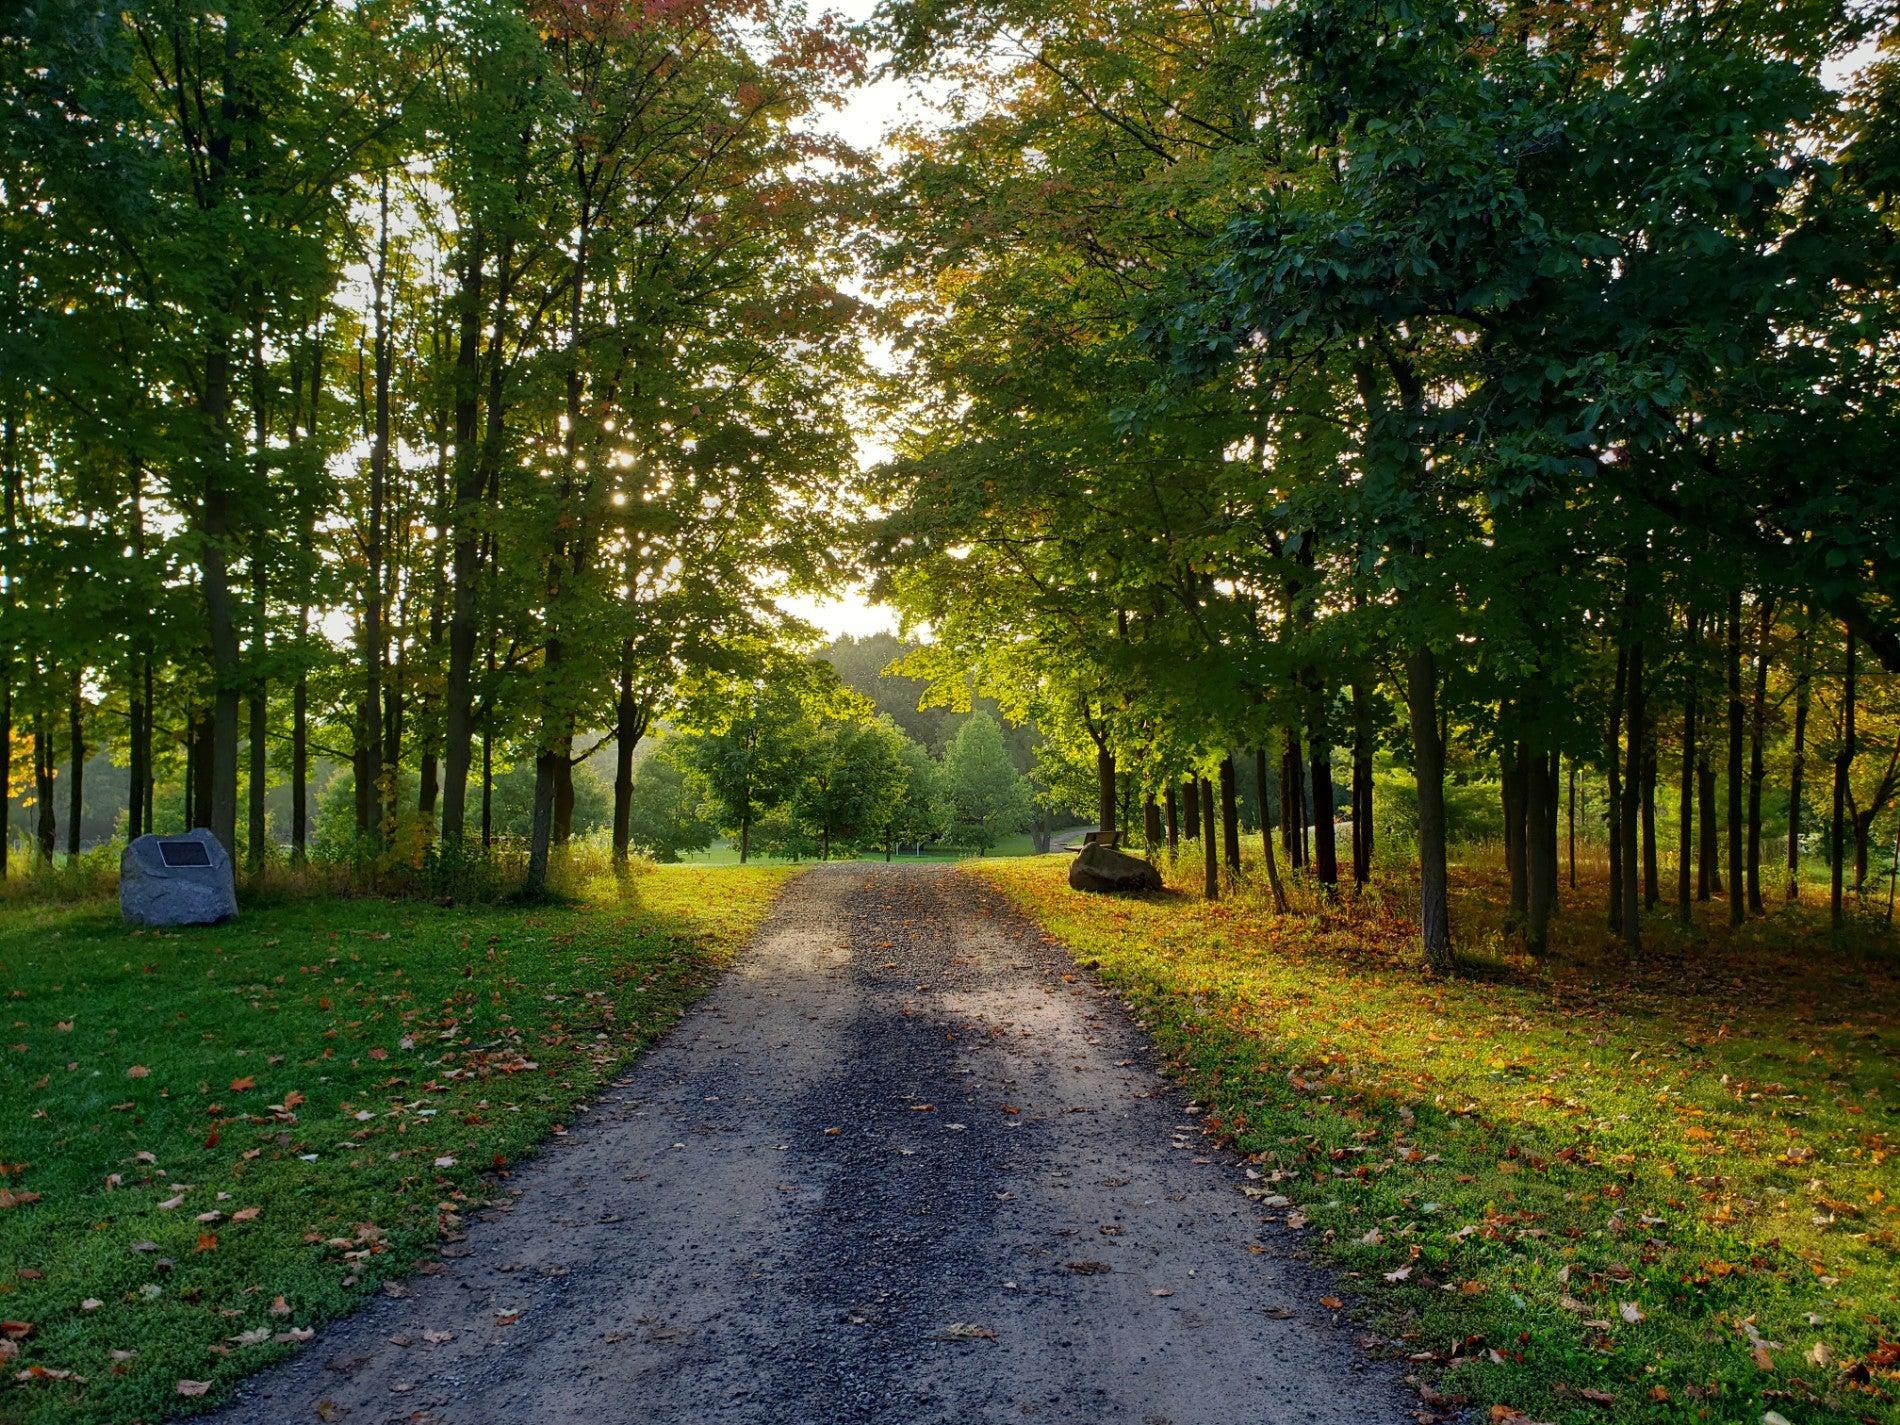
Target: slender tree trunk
258, 773
374, 635
1230, 818
204, 769
1173, 814
138, 703
465, 571
541, 834
1540, 791
1708, 860
9, 510
1105, 790
1512, 759
1151, 822
629, 726
1843, 767
1572, 804
1685, 801
1803, 675
1757, 720
43, 759
147, 788
1192, 823
1613, 763
76, 793
1652, 875
1325, 845
1421, 698
1266, 834
1361, 784
1632, 799
1736, 873
1210, 846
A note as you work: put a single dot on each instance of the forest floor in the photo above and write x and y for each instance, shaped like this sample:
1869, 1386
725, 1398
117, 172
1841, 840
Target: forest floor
1579, 1189
903, 1164
213, 1141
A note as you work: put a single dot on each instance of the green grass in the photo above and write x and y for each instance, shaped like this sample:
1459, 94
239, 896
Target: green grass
227, 1136
1580, 1190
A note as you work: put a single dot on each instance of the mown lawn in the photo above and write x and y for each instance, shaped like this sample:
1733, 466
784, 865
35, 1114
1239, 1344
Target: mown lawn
212, 1141
1581, 1190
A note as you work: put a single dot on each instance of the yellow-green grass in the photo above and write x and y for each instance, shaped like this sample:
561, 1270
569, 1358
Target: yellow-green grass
1583, 1189
214, 1140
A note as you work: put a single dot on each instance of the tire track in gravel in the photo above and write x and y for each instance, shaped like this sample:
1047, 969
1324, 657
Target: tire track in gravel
904, 1164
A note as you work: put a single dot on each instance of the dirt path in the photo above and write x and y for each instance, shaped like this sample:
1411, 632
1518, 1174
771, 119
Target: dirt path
900, 1124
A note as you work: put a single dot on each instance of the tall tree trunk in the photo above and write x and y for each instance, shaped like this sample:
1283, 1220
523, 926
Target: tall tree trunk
1293, 800
1230, 818
76, 793
255, 736
375, 638
1632, 798
541, 832
9, 511
1210, 846
1266, 834
1652, 892
1151, 822
1757, 719
1572, 812
138, 705
1736, 874
1685, 796
1325, 845
6, 753
1104, 790
1540, 793
1512, 758
629, 726
1803, 674
1843, 767
1192, 822
1173, 813
471, 484
1361, 784
1613, 761
203, 770
1434, 907
43, 759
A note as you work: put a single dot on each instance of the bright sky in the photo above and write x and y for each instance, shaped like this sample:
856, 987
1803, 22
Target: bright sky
870, 112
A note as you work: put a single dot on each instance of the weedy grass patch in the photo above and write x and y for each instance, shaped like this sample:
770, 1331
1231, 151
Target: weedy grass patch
1581, 1189
213, 1140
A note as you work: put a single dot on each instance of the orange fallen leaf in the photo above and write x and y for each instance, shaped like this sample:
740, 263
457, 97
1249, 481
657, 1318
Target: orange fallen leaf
240, 1085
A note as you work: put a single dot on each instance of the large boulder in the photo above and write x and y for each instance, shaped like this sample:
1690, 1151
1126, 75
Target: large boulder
176, 880
1105, 870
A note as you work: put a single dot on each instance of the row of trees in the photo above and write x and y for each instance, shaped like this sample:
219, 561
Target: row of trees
408, 383
1509, 388
789, 781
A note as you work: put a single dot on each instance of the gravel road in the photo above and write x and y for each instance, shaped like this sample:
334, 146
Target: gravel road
904, 1164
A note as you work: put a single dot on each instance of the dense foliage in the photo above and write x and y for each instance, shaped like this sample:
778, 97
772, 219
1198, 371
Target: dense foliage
1504, 390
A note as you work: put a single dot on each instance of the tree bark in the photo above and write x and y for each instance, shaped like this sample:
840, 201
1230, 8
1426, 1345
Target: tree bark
1843, 767
43, 755
76, 793
1191, 826
1757, 719
1434, 906
1652, 876
1736, 873
471, 484
1173, 814
1230, 818
1210, 849
1803, 675
1512, 759
1632, 798
1540, 791
1612, 756
1266, 834
1361, 784
1151, 822
1685, 796
1104, 789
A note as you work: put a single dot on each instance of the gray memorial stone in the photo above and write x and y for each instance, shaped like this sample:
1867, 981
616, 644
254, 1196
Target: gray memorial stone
176, 880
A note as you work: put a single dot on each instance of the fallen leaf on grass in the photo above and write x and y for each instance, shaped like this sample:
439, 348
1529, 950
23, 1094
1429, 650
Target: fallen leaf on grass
1598, 1397
1630, 1312
171, 1202
138, 1071
279, 1307
193, 1387
240, 1085
16, 1330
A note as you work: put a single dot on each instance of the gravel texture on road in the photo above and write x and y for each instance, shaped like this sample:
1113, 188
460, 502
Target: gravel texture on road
905, 1163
